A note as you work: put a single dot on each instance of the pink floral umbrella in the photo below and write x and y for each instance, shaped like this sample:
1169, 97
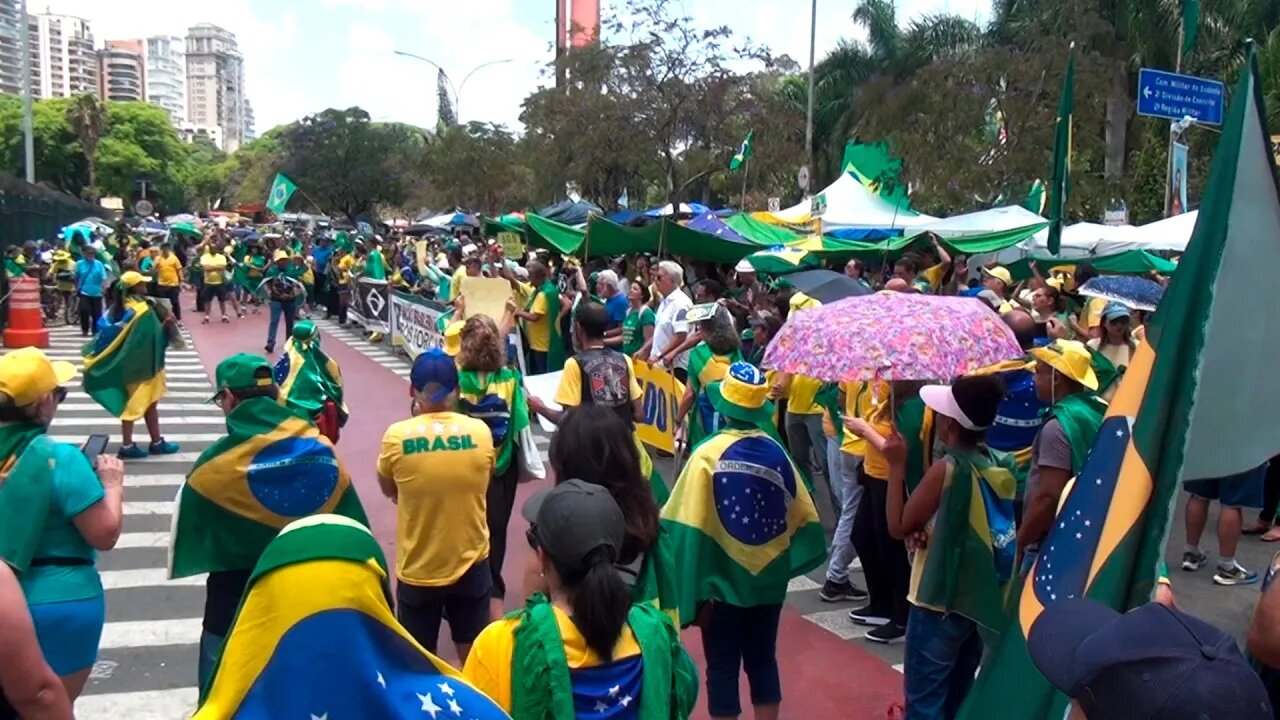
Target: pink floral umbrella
892, 336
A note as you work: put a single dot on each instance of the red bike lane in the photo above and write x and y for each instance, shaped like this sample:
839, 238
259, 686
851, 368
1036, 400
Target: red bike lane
823, 676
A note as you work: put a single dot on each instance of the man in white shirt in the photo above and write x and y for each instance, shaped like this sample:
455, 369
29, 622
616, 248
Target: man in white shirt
670, 329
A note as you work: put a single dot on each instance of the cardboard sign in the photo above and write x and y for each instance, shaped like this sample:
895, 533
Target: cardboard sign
544, 388
511, 244
662, 395
486, 296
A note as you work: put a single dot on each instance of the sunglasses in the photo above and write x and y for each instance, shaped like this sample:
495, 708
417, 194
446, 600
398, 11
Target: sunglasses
532, 536
59, 394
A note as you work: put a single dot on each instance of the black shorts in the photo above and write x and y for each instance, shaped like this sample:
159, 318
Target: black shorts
209, 292
465, 604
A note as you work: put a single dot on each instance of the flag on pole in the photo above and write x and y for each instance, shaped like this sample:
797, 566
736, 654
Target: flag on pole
1061, 181
744, 153
282, 188
1201, 381
1035, 197
1190, 25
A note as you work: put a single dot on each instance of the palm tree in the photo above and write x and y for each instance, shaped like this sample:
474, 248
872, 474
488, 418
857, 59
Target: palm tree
88, 117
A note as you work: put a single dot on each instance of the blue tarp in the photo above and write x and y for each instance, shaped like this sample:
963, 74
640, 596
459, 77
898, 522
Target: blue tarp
624, 217
864, 234
707, 222
569, 212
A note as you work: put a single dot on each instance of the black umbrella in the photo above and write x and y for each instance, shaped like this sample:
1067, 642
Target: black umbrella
826, 286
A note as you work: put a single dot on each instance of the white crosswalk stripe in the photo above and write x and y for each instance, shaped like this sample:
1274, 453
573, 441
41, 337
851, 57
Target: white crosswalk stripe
147, 658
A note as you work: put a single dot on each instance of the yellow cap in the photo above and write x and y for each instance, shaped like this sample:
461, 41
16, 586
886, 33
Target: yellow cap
453, 338
1000, 273
61, 255
26, 375
131, 278
281, 255
1071, 358
800, 301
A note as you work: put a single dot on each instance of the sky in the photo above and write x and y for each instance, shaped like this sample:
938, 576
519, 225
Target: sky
302, 56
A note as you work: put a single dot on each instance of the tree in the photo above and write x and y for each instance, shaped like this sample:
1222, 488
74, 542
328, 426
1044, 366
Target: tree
206, 175
139, 143
446, 115
88, 119
347, 163
477, 166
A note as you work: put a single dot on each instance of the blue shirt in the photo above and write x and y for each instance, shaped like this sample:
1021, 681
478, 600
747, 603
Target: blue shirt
90, 275
75, 488
616, 307
321, 255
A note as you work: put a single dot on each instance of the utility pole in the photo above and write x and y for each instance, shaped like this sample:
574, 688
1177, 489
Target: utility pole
1174, 132
28, 126
808, 128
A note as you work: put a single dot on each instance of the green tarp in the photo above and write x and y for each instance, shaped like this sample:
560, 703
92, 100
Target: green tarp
761, 232
1131, 262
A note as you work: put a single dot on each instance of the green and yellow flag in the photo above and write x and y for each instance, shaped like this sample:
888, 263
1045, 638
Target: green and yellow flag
741, 521
744, 153
1202, 381
272, 468
1060, 183
282, 188
124, 365
307, 376
315, 632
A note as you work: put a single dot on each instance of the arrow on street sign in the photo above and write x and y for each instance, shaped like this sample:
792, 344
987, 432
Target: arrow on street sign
1169, 95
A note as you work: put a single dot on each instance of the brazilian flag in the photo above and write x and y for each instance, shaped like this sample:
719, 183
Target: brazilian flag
315, 637
307, 376
272, 468
124, 365
741, 521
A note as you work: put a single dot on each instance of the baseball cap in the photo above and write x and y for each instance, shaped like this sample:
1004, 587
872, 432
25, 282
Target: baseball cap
242, 371
972, 401
1114, 310
132, 278
572, 520
280, 255
1151, 662
434, 367
744, 266
27, 374
1071, 358
1000, 273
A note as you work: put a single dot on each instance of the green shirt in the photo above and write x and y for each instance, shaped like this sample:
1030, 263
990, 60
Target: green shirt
75, 488
633, 326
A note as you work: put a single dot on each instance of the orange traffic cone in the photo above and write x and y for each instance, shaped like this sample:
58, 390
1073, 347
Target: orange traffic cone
26, 323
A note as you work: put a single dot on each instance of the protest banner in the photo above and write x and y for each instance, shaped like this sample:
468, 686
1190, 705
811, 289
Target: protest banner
512, 245
420, 256
662, 394
544, 388
414, 323
486, 296
371, 306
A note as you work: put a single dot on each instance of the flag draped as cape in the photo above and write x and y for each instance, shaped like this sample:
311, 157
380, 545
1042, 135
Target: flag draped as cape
124, 365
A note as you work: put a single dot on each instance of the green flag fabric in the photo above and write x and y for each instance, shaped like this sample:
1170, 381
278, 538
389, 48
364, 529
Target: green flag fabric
743, 154
1035, 197
124, 365
1059, 185
1201, 381
282, 188
375, 265
1190, 25
307, 376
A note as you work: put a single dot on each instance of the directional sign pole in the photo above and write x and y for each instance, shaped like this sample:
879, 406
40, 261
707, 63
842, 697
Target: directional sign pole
1173, 135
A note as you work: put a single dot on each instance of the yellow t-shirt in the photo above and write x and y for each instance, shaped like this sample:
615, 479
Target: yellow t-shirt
934, 276
569, 394
489, 668
801, 399
455, 285
857, 404
1093, 312
881, 420
167, 271
344, 269
539, 333
214, 267
441, 463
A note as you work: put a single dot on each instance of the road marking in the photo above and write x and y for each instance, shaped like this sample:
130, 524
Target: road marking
142, 539
145, 577
151, 633
144, 705
198, 408
215, 418
148, 508
147, 480
799, 584
837, 623
78, 440
164, 402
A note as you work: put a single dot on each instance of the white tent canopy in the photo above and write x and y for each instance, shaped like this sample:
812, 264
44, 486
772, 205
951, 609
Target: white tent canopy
979, 223
850, 204
1084, 239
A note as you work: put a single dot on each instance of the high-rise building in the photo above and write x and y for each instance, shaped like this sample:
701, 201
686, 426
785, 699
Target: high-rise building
250, 128
10, 46
166, 76
122, 70
67, 62
215, 82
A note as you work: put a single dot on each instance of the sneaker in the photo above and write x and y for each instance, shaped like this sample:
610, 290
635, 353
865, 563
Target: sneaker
864, 616
163, 447
1234, 575
226, 319
131, 452
1191, 561
836, 592
205, 321
269, 348
887, 634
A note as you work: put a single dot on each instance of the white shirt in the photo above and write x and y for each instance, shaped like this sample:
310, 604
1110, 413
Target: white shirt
670, 321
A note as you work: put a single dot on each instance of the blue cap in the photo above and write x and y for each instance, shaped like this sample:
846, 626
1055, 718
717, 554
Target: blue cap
1113, 310
434, 367
1151, 662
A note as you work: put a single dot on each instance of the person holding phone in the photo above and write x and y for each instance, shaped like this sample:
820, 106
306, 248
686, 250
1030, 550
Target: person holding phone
58, 508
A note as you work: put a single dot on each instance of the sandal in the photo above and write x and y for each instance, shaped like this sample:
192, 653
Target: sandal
1257, 527
1272, 535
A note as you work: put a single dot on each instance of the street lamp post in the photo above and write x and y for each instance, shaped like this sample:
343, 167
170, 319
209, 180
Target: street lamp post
457, 89
808, 126
28, 125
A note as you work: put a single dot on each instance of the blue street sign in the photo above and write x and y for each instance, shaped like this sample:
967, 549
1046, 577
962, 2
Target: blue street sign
1172, 96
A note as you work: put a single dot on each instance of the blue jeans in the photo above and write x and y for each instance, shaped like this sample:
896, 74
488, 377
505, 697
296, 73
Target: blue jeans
842, 552
942, 656
734, 639
290, 311
210, 650
804, 437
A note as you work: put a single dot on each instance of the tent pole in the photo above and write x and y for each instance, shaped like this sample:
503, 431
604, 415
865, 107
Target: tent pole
746, 170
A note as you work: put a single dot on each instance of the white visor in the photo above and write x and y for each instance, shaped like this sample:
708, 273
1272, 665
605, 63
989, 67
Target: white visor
943, 401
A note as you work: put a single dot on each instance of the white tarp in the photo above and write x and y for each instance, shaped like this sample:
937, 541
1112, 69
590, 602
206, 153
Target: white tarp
1082, 239
850, 204
981, 222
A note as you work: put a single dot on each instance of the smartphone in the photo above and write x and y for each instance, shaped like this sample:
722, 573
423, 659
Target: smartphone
95, 446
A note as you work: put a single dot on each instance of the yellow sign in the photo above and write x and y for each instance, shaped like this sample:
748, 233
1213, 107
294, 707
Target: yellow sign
662, 395
420, 255
486, 296
511, 244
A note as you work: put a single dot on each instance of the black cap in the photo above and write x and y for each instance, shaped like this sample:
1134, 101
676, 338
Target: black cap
572, 520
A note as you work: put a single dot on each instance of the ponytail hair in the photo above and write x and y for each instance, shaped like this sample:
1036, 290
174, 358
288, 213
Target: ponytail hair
10, 411
601, 602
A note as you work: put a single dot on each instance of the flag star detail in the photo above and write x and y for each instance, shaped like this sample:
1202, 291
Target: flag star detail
625, 701
320, 717
428, 705
444, 688
454, 707
382, 681
613, 691
601, 706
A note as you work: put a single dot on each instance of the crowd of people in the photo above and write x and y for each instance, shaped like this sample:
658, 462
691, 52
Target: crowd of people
616, 560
